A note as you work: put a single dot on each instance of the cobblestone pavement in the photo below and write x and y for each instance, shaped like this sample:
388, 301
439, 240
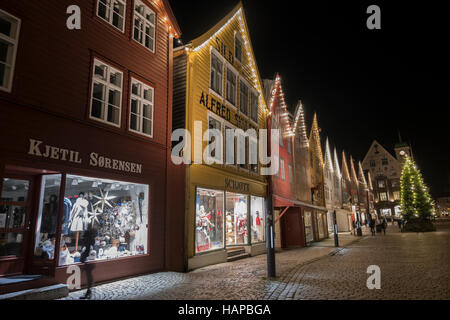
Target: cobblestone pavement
413, 266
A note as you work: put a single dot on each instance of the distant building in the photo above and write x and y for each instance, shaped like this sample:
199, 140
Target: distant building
385, 171
442, 206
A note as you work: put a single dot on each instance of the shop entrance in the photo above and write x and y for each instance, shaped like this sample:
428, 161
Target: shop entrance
15, 222
293, 229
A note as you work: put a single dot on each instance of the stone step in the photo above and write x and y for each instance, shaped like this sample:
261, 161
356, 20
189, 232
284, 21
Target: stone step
45, 293
238, 257
232, 253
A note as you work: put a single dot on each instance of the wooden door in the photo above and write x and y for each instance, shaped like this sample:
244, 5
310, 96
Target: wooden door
293, 229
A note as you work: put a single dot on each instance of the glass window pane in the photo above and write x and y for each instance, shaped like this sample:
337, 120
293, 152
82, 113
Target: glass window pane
12, 217
11, 244
258, 217
115, 212
147, 126
116, 79
47, 217
236, 219
97, 107
209, 220
147, 111
134, 123
5, 25
15, 190
114, 97
113, 114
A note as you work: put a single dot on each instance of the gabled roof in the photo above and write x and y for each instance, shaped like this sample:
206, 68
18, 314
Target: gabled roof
352, 170
328, 158
276, 91
361, 177
174, 28
345, 171
236, 14
300, 125
337, 169
372, 149
314, 139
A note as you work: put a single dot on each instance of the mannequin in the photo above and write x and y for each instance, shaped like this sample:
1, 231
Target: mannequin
206, 225
78, 217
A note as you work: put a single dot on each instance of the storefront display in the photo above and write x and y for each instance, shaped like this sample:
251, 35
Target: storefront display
236, 218
319, 216
209, 220
258, 217
116, 210
308, 226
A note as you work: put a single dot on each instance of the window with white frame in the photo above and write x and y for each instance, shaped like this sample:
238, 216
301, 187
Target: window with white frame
254, 106
396, 195
113, 12
144, 25
237, 48
291, 174
243, 101
9, 38
141, 108
230, 146
231, 87
283, 174
106, 102
242, 150
216, 73
214, 124
253, 154
383, 196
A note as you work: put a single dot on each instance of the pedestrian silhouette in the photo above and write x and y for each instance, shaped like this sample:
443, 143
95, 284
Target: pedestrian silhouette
372, 226
88, 241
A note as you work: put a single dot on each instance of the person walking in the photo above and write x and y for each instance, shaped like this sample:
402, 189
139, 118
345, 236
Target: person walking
372, 226
399, 222
384, 225
88, 241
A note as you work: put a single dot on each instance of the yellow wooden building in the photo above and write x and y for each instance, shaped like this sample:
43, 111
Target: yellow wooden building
217, 85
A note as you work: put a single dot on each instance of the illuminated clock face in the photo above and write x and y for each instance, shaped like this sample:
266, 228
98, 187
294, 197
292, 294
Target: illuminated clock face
402, 153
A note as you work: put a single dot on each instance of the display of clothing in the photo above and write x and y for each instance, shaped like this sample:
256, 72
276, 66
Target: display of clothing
67, 208
50, 215
79, 215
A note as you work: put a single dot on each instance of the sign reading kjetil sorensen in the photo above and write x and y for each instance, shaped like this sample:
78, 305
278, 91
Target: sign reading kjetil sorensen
38, 149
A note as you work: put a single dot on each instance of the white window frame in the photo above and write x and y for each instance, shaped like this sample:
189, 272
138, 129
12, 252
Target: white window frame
255, 93
230, 126
141, 100
237, 36
110, 20
282, 169
107, 85
218, 119
145, 21
385, 197
254, 141
228, 67
220, 58
14, 42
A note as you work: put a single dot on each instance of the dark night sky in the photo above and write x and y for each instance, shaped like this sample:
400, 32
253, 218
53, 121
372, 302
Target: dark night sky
363, 84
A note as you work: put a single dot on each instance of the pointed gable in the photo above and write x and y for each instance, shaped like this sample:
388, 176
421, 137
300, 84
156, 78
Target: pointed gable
361, 177
277, 105
337, 169
314, 140
374, 148
235, 17
345, 171
354, 177
328, 158
300, 125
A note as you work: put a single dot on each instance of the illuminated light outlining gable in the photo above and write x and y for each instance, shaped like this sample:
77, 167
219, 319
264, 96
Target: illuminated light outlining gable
252, 64
328, 159
277, 91
336, 164
300, 117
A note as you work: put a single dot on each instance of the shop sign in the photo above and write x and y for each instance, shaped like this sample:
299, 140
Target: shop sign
233, 185
38, 149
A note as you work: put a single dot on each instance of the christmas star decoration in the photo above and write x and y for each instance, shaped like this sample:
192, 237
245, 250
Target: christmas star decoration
103, 199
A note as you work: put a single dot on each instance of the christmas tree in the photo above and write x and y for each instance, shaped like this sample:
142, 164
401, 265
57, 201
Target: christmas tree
416, 202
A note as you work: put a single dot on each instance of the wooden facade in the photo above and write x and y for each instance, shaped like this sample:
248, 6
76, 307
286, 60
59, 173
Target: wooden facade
50, 102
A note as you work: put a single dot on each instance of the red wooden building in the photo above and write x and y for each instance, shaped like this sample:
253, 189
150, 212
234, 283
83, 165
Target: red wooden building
289, 228
85, 140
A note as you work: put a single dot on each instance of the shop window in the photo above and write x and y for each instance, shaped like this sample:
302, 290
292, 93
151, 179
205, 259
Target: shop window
308, 226
216, 74
9, 38
13, 208
116, 211
113, 12
236, 219
209, 220
319, 217
141, 108
237, 48
144, 25
44, 246
106, 100
231, 87
254, 107
258, 219
283, 173
243, 101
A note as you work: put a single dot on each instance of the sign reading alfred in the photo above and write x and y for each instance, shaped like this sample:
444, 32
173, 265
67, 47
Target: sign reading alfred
38, 149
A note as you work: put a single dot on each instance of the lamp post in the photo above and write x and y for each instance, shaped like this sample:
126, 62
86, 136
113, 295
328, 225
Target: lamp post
270, 233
